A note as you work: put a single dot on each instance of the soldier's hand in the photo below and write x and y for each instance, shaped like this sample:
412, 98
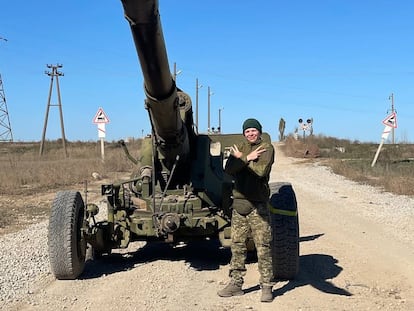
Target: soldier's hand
236, 152
255, 154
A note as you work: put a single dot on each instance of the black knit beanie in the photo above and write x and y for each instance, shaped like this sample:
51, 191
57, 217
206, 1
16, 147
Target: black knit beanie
252, 123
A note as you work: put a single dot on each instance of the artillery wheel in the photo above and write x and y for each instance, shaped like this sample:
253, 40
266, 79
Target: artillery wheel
285, 230
67, 246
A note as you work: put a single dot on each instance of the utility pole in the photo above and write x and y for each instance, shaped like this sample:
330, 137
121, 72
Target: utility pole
197, 88
391, 97
219, 115
208, 113
52, 74
176, 73
5, 128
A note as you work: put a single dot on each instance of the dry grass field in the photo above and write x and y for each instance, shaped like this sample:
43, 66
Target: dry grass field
393, 170
23, 171
28, 182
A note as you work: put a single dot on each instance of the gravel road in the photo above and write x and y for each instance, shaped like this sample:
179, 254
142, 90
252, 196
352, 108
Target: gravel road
356, 254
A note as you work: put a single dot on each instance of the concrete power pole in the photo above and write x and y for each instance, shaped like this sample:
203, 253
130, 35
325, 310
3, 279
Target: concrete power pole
392, 111
198, 86
208, 110
52, 74
5, 128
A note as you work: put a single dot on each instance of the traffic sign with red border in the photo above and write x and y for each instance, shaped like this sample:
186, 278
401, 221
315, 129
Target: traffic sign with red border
100, 117
391, 120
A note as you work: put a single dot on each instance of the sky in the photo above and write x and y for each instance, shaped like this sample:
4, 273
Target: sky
334, 61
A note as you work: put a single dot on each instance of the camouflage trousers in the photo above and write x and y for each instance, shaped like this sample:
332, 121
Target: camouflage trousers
258, 223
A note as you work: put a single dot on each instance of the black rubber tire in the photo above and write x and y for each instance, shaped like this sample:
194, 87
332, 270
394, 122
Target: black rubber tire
67, 247
285, 230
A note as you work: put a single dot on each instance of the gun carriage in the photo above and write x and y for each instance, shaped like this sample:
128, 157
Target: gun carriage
179, 192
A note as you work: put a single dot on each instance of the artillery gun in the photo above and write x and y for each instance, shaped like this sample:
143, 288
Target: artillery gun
180, 192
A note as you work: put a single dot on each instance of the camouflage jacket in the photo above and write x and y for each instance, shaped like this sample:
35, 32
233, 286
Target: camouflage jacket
251, 177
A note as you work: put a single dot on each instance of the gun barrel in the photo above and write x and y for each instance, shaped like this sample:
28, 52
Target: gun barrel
146, 28
161, 92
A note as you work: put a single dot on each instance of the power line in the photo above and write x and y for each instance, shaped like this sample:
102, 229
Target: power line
52, 74
5, 127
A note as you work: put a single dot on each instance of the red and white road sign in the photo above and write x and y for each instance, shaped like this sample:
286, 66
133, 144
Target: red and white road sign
391, 120
386, 132
101, 130
100, 117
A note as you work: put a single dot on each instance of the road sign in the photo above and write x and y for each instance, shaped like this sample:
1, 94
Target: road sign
390, 123
386, 132
391, 120
101, 130
100, 117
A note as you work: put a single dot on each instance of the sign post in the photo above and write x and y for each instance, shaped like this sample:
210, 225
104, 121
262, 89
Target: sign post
390, 123
101, 119
306, 126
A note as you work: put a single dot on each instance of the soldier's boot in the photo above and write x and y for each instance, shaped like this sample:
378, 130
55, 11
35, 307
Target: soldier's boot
267, 295
230, 290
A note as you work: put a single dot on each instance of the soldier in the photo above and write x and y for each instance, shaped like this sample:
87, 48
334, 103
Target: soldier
250, 163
